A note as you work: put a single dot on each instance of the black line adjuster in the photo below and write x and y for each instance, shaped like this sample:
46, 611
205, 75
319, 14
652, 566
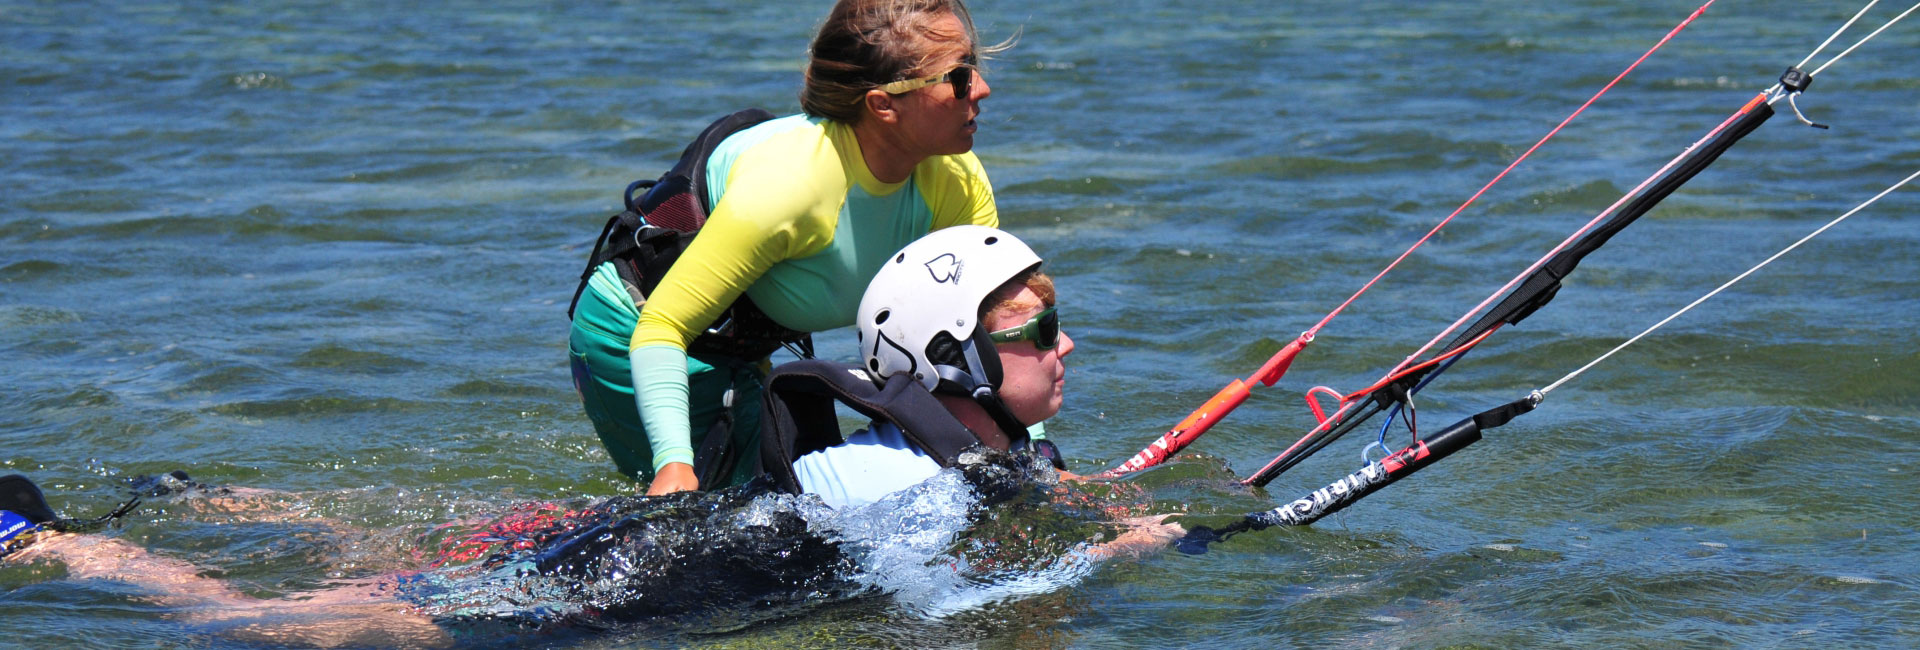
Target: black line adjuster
1794, 80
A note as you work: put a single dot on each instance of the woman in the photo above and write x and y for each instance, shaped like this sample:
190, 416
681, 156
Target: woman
805, 209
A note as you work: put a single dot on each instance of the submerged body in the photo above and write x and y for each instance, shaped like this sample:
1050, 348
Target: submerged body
688, 562
712, 561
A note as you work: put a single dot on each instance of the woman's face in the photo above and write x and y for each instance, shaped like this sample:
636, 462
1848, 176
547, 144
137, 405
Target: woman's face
939, 122
1033, 380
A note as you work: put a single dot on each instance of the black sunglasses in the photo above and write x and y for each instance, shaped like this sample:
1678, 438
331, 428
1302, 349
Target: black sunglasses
960, 76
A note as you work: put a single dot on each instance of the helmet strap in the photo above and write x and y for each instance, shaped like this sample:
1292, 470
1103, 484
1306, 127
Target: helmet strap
986, 369
979, 370
980, 382
1011, 426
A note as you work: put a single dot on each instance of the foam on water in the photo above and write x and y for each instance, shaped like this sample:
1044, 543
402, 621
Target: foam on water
905, 545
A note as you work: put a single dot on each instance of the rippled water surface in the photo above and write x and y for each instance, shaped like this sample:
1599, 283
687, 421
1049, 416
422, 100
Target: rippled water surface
326, 249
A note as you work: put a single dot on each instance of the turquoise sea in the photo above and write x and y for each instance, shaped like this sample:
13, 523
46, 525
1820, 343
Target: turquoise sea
326, 248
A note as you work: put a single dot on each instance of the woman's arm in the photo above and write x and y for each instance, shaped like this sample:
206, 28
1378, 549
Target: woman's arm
770, 212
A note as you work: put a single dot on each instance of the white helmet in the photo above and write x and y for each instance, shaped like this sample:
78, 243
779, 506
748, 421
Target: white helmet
920, 314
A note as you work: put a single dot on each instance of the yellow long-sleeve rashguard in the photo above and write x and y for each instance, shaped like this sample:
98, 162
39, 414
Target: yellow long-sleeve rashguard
799, 224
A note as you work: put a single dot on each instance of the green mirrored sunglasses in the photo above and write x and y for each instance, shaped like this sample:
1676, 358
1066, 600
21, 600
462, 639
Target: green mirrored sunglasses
1043, 330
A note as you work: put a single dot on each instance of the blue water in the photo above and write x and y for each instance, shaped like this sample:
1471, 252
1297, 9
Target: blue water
326, 248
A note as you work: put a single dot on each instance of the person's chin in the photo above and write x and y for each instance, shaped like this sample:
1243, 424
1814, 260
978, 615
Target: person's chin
1038, 415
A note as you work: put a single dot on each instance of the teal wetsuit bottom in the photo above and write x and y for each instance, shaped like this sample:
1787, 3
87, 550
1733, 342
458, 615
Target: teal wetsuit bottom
603, 374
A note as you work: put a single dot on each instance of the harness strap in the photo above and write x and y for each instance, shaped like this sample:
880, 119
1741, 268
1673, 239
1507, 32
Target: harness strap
714, 461
593, 261
798, 415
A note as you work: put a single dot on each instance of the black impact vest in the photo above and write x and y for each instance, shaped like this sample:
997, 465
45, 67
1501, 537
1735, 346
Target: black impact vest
798, 418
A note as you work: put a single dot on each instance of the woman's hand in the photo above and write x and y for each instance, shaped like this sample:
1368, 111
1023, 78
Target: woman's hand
673, 477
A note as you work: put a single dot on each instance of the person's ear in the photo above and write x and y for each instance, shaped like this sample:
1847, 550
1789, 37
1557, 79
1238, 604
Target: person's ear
880, 106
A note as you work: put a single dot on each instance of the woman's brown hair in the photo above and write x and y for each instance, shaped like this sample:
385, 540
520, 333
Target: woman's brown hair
865, 44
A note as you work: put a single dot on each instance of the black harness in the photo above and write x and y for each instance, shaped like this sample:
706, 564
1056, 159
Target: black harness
645, 240
798, 416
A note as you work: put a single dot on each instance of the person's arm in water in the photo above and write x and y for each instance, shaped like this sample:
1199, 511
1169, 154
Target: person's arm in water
1143, 535
348, 614
97, 557
344, 614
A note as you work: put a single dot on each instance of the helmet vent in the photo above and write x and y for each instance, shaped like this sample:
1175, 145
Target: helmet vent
945, 350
